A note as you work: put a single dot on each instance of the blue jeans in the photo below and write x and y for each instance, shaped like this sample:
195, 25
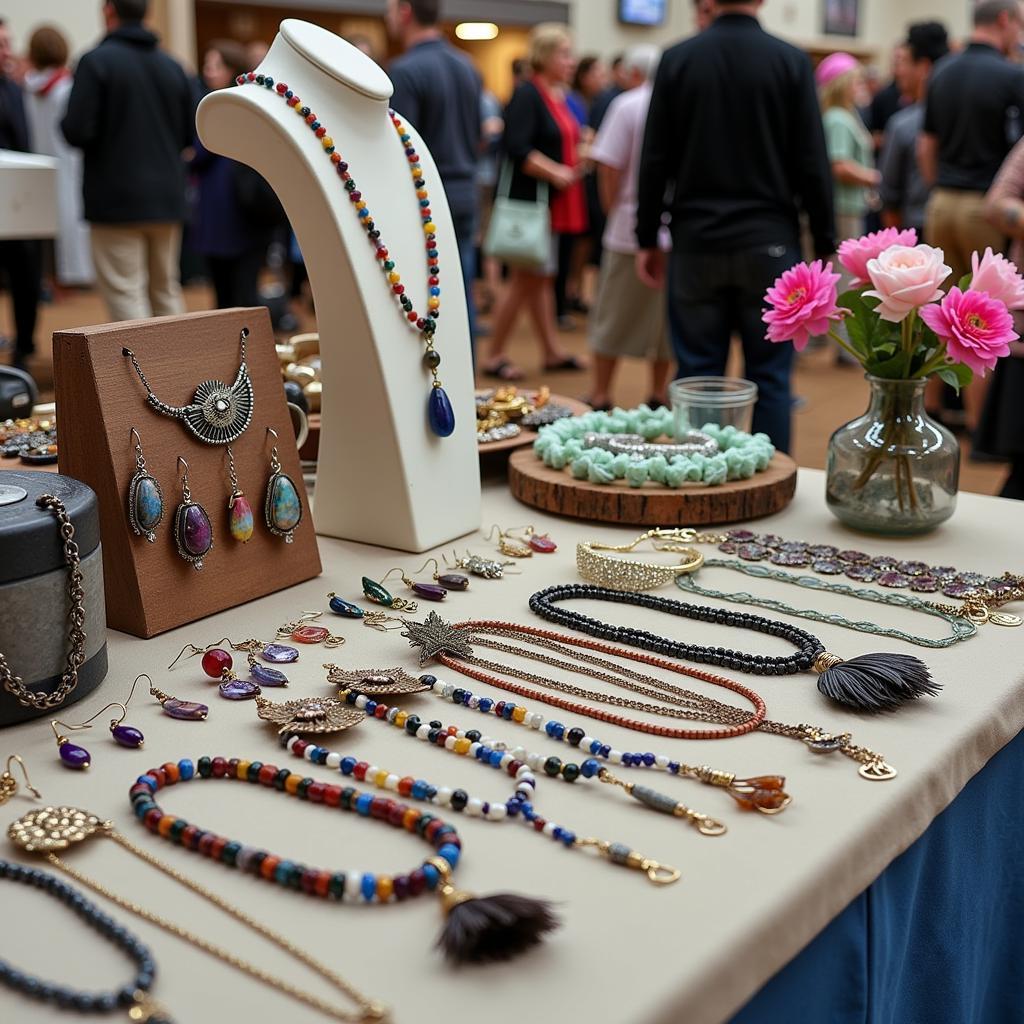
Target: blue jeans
464, 222
713, 294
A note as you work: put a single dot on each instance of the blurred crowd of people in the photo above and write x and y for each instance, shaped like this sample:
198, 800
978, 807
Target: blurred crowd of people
701, 172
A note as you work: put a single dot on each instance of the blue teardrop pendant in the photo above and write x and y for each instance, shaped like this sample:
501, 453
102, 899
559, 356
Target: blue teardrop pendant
440, 412
346, 608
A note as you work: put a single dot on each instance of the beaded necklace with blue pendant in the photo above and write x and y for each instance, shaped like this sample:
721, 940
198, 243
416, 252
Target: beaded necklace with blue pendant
440, 414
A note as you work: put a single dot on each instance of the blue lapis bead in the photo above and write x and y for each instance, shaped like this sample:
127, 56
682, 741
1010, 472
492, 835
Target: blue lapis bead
186, 769
419, 789
506, 712
649, 760
512, 808
590, 768
314, 125
559, 731
320, 755
363, 804
371, 706
627, 760
289, 94
568, 837
368, 887
268, 82
549, 728
440, 412
148, 781
347, 765
558, 833
435, 289
432, 875
673, 767
595, 746
605, 750
495, 758
450, 852
486, 704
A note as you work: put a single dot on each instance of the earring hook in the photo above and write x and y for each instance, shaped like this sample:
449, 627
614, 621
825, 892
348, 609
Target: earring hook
24, 771
112, 704
501, 533
271, 430
138, 437
192, 647
70, 728
184, 463
398, 569
429, 561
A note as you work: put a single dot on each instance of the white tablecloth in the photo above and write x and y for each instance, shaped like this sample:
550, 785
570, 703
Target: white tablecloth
628, 951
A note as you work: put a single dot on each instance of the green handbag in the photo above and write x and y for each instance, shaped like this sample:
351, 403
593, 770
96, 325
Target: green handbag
520, 230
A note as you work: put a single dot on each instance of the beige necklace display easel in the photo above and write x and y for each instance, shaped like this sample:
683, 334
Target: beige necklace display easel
383, 477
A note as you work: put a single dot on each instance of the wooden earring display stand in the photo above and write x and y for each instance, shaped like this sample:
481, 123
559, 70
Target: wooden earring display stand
150, 588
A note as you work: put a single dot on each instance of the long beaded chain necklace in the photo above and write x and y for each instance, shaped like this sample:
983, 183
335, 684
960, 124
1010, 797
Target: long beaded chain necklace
50, 829
14, 684
519, 764
133, 997
440, 414
477, 928
869, 682
760, 793
962, 628
450, 645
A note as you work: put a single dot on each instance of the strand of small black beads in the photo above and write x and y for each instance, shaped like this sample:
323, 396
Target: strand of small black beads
60, 995
356, 886
545, 603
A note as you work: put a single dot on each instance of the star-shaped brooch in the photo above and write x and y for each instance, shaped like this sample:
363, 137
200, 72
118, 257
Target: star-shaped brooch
309, 714
375, 682
434, 636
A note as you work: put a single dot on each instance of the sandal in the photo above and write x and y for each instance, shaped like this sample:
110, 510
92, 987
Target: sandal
504, 370
568, 363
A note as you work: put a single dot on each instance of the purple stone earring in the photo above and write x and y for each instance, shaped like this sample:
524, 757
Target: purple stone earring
74, 756
193, 532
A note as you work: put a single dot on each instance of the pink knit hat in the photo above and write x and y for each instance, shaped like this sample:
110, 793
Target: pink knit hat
834, 65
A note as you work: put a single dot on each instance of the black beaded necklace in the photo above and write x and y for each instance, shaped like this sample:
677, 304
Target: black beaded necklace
870, 682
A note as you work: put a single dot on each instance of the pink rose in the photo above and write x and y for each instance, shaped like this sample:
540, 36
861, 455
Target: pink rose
804, 301
906, 277
996, 275
854, 253
976, 328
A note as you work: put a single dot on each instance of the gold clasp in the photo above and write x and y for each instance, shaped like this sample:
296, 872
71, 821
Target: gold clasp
708, 826
660, 874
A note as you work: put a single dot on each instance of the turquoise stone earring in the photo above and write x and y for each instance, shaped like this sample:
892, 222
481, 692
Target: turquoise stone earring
282, 507
145, 499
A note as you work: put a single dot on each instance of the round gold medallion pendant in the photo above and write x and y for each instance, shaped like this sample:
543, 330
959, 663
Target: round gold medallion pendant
53, 828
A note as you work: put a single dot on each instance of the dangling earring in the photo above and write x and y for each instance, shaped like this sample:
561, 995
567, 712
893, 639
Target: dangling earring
71, 755
428, 591
282, 507
219, 665
540, 542
193, 533
510, 545
9, 785
301, 632
378, 595
489, 568
186, 710
448, 580
145, 498
240, 519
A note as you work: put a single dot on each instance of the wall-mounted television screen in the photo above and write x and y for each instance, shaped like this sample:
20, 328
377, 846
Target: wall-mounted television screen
641, 12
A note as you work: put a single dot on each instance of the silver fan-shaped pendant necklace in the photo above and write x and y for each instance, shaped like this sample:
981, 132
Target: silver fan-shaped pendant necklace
219, 413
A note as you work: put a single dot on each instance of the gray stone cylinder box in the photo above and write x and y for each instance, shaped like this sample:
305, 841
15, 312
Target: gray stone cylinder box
34, 602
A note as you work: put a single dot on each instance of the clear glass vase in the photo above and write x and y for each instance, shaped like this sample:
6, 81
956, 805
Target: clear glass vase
893, 470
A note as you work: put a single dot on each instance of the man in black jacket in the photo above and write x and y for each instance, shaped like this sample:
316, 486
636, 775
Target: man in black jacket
19, 257
734, 149
131, 112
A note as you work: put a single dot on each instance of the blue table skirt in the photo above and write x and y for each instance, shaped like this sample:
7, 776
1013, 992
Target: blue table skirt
937, 938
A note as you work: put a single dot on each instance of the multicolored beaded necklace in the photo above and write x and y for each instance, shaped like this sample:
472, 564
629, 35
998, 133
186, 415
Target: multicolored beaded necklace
440, 414
519, 764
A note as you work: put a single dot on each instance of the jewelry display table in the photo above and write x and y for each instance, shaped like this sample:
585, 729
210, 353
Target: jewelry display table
746, 904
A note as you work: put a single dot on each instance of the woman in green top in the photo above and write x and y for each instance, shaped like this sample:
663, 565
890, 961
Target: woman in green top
840, 82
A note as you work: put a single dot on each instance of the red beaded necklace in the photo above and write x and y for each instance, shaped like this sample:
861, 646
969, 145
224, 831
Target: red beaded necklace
440, 414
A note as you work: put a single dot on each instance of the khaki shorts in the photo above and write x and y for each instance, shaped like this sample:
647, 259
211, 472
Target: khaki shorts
628, 319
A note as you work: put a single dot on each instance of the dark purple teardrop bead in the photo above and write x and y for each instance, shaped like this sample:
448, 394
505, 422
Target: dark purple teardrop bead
74, 756
127, 736
453, 581
430, 591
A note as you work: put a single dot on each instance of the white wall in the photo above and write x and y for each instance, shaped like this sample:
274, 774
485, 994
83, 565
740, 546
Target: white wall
80, 20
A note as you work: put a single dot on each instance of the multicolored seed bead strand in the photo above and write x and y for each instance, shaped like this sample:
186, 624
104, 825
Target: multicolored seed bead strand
353, 886
488, 752
439, 408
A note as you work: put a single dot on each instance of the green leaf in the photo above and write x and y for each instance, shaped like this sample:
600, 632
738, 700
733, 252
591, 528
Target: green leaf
890, 369
965, 282
956, 375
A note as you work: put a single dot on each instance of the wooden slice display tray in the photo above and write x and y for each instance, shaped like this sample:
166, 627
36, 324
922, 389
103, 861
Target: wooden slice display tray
527, 435
554, 490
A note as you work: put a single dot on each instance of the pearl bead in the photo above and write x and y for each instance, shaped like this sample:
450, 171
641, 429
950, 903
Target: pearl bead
444, 796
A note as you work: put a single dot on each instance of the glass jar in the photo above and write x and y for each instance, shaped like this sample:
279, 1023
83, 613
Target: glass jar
723, 401
893, 470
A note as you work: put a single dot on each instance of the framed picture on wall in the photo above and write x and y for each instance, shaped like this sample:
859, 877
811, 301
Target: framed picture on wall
841, 17
641, 12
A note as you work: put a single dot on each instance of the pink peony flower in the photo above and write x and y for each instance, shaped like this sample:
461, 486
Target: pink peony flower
804, 301
999, 277
976, 328
906, 277
854, 253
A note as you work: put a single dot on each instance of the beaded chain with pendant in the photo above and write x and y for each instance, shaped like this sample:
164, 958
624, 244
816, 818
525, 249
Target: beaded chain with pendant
439, 408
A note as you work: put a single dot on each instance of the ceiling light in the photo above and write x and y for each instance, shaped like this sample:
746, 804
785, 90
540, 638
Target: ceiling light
476, 30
